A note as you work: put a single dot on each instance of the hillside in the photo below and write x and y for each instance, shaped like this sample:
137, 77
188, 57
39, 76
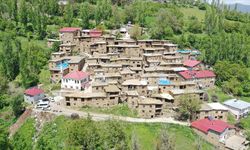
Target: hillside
146, 134
222, 37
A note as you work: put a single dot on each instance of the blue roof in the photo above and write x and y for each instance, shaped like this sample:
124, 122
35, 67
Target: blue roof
63, 65
164, 82
184, 51
238, 104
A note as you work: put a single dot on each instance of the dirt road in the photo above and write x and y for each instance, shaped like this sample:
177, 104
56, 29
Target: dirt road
102, 117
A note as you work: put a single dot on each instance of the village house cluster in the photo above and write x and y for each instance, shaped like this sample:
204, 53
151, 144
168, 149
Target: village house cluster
151, 76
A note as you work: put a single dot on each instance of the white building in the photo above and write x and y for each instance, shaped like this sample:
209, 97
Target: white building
77, 80
238, 108
33, 95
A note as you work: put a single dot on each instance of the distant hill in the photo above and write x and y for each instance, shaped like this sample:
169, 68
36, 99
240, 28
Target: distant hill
241, 7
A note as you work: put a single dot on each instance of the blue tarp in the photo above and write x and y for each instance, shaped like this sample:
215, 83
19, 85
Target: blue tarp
183, 51
63, 65
164, 82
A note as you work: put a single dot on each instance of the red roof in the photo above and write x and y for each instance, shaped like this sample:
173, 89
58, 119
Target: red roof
95, 33
191, 63
69, 29
205, 125
77, 75
190, 74
33, 91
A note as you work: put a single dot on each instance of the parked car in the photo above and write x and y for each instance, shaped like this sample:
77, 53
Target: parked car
43, 104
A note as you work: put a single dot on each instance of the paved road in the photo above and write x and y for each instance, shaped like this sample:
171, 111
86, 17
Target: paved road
102, 117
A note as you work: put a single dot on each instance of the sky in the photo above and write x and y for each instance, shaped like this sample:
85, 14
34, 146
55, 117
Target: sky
246, 2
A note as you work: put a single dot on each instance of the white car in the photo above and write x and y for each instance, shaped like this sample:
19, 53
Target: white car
43, 104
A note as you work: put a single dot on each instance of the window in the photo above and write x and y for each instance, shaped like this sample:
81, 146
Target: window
75, 99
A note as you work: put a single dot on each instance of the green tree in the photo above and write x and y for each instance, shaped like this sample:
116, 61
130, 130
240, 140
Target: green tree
44, 77
103, 11
136, 32
165, 142
23, 13
194, 25
233, 78
166, 24
4, 140
114, 136
9, 58
56, 46
84, 133
68, 14
85, 14
17, 106
3, 84
188, 106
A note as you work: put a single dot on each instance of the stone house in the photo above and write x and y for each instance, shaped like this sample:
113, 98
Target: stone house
127, 74
132, 99
165, 98
61, 65
68, 48
151, 42
135, 84
68, 35
113, 93
80, 99
98, 47
193, 64
125, 50
149, 108
213, 110
171, 61
188, 54
111, 68
203, 78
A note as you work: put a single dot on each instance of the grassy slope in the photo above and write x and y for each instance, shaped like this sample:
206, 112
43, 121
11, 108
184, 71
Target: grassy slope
6, 116
189, 12
121, 110
221, 95
184, 138
23, 138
